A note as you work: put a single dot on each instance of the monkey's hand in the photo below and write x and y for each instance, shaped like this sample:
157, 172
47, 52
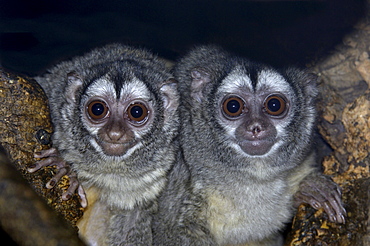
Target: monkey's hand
321, 192
52, 158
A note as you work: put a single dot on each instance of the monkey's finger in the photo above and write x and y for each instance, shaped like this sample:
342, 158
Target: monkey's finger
341, 218
52, 182
330, 212
314, 198
304, 198
82, 194
74, 183
337, 210
334, 207
46, 153
338, 200
339, 190
71, 189
43, 163
315, 203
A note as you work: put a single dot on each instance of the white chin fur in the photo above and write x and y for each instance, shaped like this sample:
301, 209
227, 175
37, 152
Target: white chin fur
126, 155
240, 151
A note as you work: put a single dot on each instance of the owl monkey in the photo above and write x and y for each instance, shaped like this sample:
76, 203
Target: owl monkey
114, 112
248, 157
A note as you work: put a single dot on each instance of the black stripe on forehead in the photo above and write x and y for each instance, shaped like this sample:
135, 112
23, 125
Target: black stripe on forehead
245, 68
253, 71
119, 77
121, 73
128, 70
253, 75
116, 74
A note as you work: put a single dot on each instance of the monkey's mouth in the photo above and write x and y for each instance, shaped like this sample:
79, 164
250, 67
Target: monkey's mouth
116, 148
256, 147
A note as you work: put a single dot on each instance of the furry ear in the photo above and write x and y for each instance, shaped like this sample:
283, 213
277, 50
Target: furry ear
74, 84
306, 81
200, 79
170, 95
311, 84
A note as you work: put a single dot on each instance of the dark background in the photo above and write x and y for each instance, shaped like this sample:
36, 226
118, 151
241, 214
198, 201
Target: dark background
35, 34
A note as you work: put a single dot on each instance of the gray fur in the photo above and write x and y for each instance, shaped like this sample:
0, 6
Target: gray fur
127, 185
218, 194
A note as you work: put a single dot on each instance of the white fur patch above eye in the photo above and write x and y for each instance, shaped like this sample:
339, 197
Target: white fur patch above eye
135, 89
101, 87
273, 81
236, 80
104, 87
268, 80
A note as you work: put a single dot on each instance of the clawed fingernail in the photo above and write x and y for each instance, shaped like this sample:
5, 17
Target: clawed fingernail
32, 166
50, 184
333, 218
316, 205
66, 196
83, 203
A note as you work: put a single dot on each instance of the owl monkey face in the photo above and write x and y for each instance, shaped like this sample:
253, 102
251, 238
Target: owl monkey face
254, 114
254, 107
119, 111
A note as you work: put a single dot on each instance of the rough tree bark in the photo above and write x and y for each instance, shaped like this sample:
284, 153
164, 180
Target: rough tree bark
344, 123
25, 128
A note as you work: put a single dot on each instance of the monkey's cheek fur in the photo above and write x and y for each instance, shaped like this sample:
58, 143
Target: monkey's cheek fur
116, 149
256, 147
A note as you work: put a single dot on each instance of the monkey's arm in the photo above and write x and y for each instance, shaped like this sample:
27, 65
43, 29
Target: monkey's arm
314, 188
52, 158
321, 192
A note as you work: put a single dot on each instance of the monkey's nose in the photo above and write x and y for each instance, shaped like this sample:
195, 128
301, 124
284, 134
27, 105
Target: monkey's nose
115, 135
255, 128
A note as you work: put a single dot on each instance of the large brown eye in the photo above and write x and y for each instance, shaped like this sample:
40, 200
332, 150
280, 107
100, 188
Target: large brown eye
233, 106
137, 112
275, 105
97, 110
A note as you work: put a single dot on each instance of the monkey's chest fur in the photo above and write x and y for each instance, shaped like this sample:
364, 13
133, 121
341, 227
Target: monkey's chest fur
240, 213
120, 205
